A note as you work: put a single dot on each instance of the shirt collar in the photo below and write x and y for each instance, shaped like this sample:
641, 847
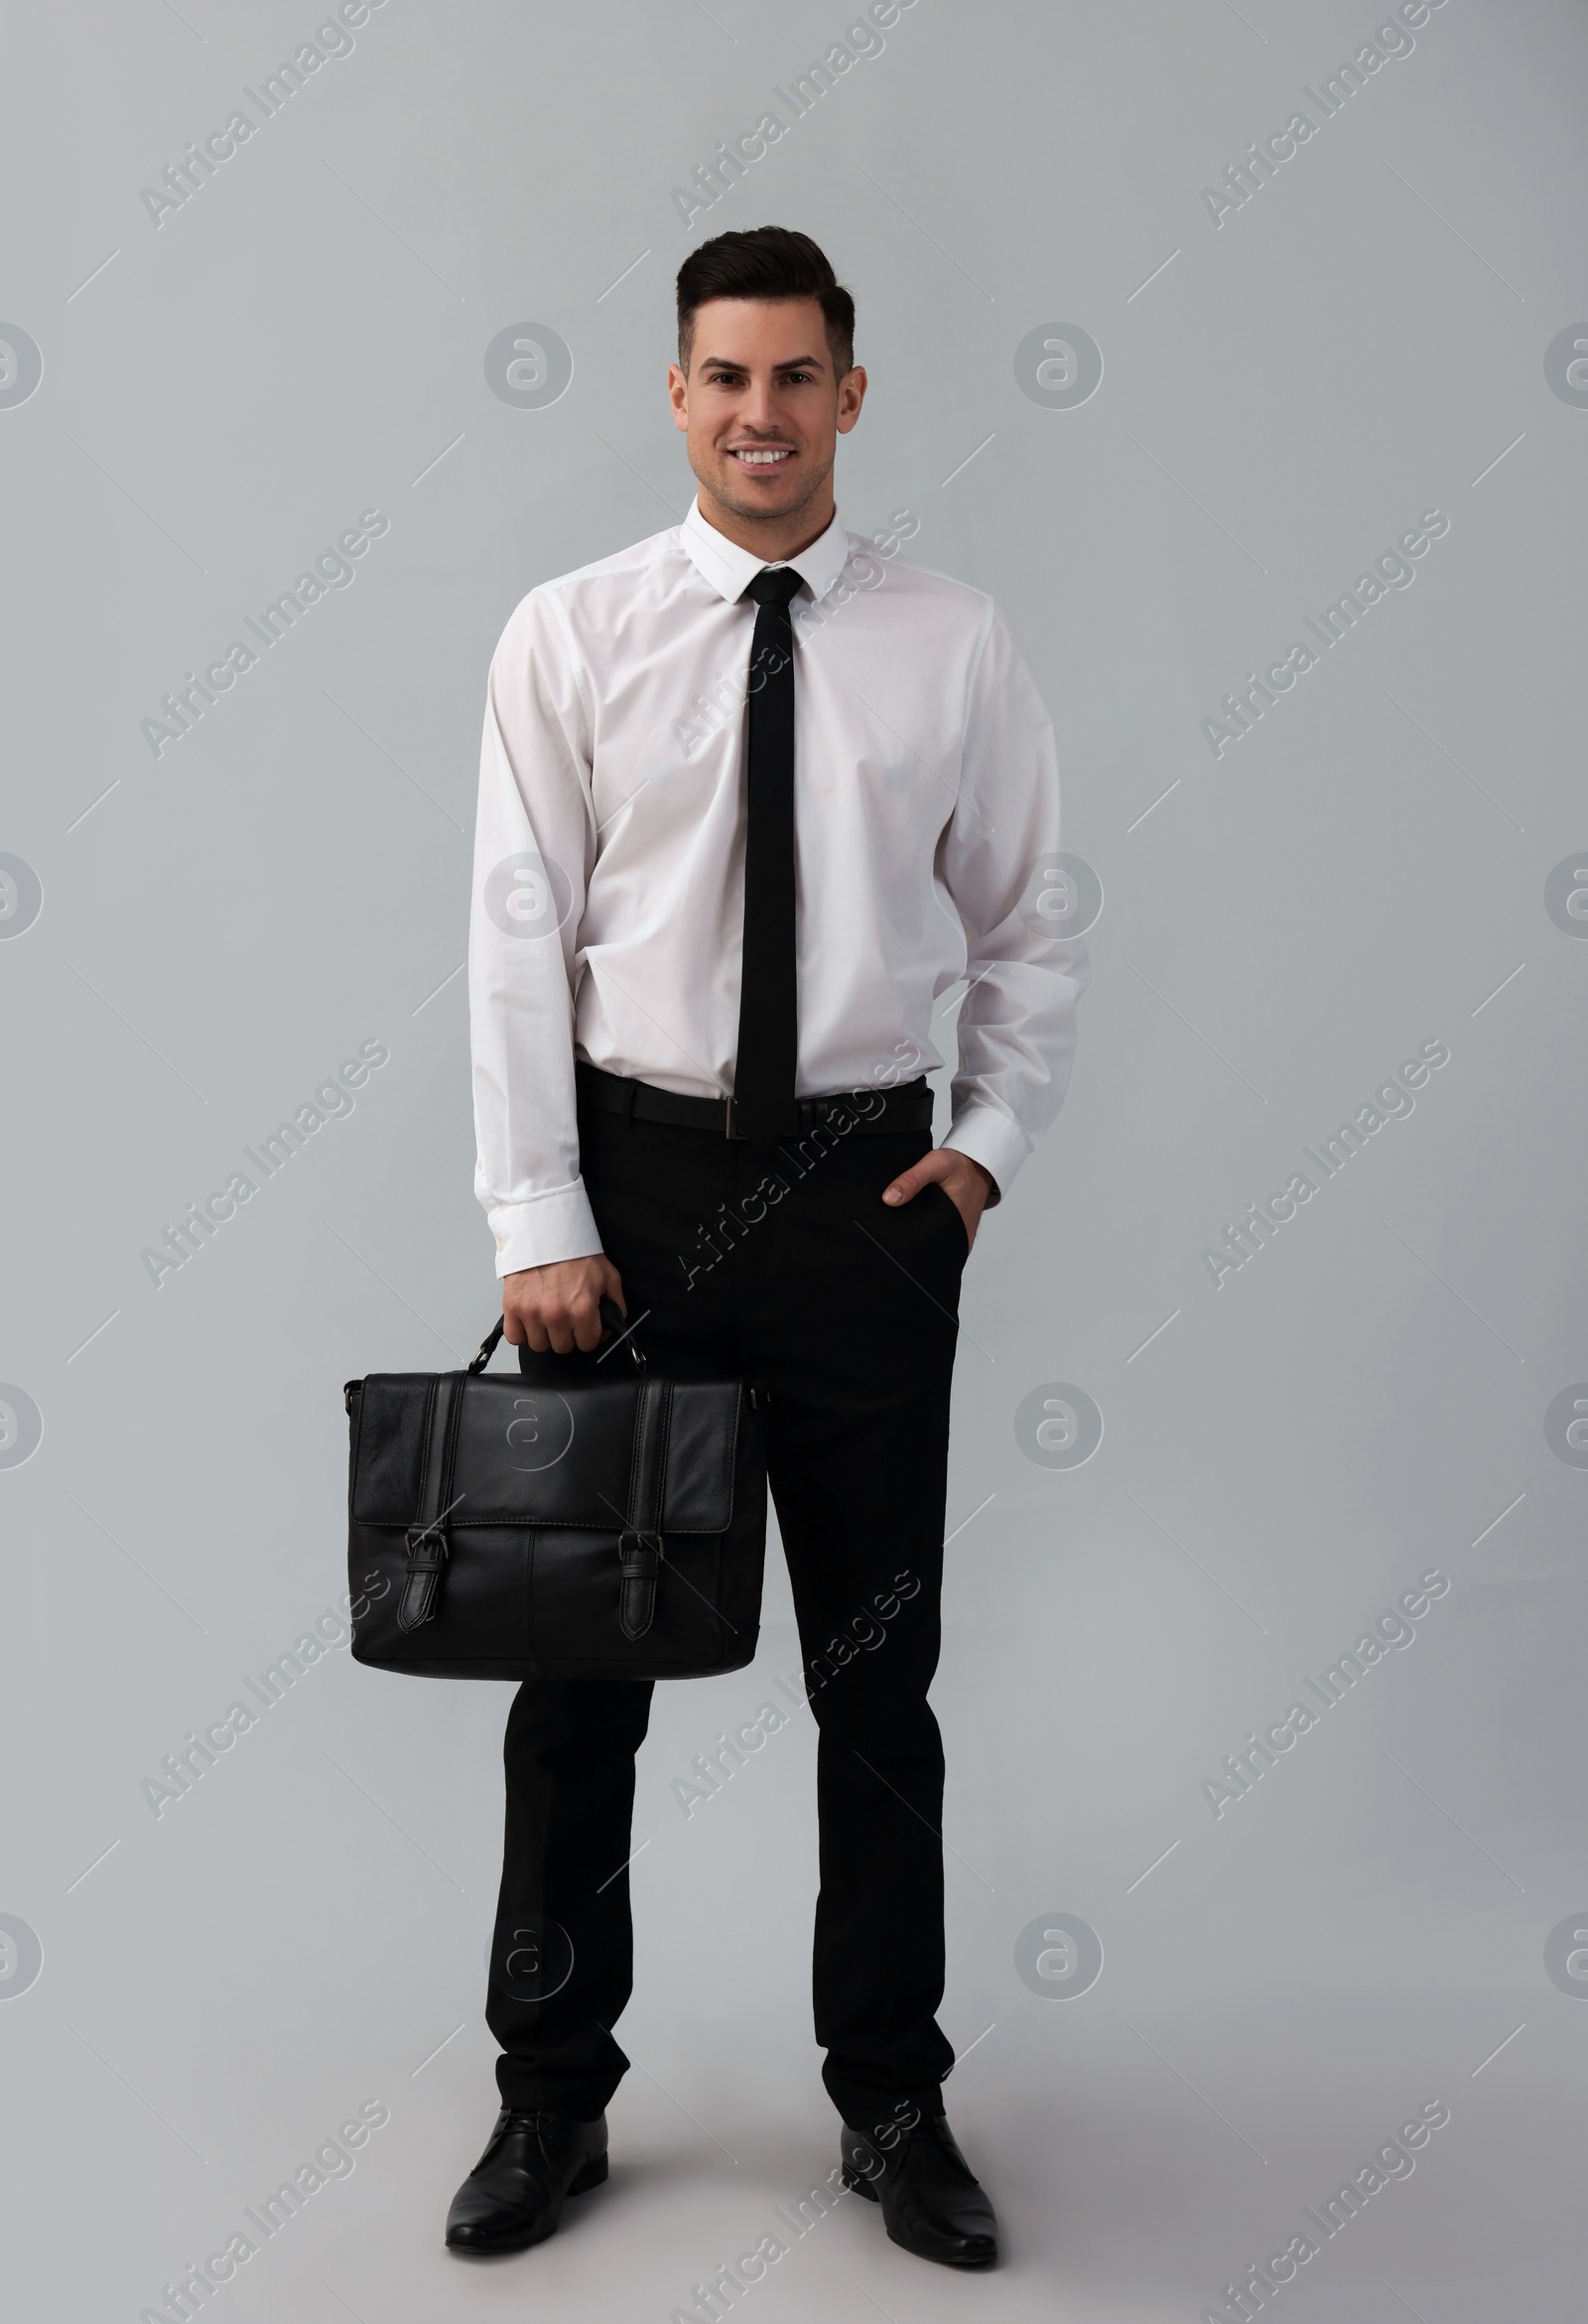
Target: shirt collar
729, 569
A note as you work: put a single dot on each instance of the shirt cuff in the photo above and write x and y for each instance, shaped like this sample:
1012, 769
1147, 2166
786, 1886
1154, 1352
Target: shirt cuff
558, 1225
995, 1141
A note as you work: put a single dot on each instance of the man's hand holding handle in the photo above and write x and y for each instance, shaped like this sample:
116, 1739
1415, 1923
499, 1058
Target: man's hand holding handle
557, 1309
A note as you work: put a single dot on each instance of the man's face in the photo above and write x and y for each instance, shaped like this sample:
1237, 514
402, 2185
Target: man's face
762, 407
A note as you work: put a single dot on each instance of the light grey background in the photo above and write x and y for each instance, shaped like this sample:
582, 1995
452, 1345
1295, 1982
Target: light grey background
221, 395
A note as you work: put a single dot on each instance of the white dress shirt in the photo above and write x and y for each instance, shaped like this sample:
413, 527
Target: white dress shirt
608, 917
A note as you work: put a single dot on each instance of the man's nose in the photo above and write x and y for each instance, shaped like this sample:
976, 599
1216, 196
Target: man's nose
758, 413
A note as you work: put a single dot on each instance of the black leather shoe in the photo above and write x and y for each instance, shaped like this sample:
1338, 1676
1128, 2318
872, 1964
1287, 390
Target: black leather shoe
513, 2196
932, 2201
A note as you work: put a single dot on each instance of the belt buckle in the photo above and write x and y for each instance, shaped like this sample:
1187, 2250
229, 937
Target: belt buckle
730, 1128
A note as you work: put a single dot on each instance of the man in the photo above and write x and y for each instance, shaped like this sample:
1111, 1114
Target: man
753, 794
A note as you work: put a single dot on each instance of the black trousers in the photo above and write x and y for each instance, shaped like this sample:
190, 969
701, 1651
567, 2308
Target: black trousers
782, 1265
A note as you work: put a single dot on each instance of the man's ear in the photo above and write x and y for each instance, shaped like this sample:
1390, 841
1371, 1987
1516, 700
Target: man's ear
851, 395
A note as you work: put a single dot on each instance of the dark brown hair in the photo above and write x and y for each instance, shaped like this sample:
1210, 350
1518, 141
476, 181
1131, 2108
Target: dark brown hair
766, 262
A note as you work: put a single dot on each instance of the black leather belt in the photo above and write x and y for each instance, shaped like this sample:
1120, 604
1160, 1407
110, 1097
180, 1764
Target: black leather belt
870, 1111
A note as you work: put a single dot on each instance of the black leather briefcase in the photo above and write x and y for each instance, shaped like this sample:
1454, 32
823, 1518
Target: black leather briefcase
610, 1526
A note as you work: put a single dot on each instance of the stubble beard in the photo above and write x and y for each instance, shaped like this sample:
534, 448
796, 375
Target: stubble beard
756, 511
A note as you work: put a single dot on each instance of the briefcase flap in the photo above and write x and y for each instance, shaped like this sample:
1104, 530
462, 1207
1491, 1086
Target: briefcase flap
526, 1454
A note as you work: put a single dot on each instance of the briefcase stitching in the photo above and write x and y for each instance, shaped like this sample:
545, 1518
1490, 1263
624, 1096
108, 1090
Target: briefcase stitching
454, 1423
661, 1461
506, 1521
358, 1446
424, 1439
732, 1458
640, 1402
530, 1550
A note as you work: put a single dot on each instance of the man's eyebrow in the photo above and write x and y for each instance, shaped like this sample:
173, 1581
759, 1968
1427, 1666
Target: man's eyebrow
789, 363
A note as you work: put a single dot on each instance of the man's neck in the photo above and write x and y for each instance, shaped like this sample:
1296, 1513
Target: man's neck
773, 539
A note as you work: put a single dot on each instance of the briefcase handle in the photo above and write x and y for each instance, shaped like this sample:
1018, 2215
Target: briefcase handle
611, 1316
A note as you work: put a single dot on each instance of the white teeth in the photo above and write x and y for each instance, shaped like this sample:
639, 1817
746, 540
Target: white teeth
761, 459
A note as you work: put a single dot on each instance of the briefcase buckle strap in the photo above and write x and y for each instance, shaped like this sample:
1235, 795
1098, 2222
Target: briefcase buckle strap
426, 1555
639, 1545
639, 1563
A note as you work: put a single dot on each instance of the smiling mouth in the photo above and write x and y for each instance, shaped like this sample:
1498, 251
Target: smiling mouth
760, 455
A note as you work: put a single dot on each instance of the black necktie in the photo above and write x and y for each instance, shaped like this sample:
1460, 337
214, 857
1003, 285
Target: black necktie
769, 1032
